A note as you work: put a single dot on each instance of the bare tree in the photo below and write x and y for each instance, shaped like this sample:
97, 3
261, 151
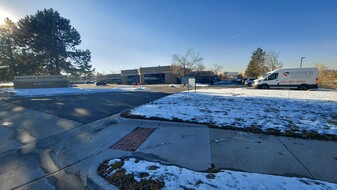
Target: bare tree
200, 67
217, 69
185, 64
271, 61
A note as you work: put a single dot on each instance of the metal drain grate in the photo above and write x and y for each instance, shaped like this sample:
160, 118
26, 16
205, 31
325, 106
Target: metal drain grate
134, 139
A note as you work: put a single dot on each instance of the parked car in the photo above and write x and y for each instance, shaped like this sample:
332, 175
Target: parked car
138, 83
244, 80
234, 80
249, 81
222, 82
239, 81
101, 83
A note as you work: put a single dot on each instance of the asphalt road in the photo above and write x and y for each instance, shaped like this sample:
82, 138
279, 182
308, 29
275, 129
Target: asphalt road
86, 108
52, 142
43, 138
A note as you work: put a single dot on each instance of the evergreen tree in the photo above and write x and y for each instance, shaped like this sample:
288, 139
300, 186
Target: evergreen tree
256, 65
50, 42
258, 54
8, 50
252, 70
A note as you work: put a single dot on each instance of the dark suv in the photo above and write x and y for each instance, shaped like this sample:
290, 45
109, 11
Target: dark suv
101, 83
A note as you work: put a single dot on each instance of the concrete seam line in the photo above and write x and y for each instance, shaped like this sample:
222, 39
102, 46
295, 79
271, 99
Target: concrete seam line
295, 157
65, 167
211, 147
51, 173
68, 130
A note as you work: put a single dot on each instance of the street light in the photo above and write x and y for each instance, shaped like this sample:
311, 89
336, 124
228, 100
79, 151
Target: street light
301, 61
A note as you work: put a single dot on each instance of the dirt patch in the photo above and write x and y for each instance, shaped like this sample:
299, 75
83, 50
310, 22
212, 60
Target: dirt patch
116, 175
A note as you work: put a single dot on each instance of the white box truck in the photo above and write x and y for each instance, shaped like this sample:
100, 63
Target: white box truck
301, 78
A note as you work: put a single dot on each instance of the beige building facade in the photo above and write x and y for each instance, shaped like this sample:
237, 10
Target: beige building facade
146, 75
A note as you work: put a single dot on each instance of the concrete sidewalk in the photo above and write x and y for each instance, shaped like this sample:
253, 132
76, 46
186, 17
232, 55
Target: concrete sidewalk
198, 148
69, 159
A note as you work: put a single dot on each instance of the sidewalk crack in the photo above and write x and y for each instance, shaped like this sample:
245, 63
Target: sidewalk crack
296, 158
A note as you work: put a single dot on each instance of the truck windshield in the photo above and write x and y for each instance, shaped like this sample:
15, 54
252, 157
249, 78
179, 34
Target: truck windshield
265, 75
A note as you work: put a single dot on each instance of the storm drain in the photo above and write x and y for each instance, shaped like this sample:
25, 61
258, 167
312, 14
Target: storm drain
134, 139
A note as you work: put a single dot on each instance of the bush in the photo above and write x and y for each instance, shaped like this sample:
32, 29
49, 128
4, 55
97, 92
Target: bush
326, 78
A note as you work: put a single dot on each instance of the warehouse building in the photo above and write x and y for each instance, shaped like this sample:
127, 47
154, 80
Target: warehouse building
146, 75
156, 75
114, 79
130, 76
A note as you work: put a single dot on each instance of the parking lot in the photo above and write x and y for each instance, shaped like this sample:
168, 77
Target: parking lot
51, 142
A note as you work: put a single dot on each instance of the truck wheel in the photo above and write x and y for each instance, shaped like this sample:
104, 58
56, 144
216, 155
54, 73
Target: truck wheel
303, 87
264, 86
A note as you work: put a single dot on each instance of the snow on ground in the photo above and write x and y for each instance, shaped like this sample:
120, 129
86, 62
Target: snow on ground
6, 84
282, 110
201, 85
181, 178
64, 91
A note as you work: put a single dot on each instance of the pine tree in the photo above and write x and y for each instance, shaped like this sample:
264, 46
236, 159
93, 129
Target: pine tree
8, 49
52, 41
256, 65
252, 69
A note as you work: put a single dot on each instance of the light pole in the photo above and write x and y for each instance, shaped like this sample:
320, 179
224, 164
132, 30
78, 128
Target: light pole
301, 61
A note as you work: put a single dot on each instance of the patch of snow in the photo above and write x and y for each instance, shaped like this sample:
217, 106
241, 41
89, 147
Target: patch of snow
282, 110
201, 85
175, 85
181, 178
7, 84
6, 123
140, 88
219, 140
66, 91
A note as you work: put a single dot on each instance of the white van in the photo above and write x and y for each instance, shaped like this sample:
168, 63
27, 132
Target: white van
301, 78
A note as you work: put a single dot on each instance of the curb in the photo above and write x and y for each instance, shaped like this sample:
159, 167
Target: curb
96, 182
160, 122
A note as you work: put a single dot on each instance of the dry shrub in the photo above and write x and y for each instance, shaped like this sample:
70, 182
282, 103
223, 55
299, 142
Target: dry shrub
326, 78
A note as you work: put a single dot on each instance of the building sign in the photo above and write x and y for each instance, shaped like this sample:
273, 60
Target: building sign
45, 81
41, 78
191, 84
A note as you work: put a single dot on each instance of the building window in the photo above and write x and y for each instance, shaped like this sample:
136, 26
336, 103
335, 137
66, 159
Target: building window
154, 78
133, 79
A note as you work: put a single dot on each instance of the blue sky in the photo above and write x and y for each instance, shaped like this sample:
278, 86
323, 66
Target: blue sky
127, 34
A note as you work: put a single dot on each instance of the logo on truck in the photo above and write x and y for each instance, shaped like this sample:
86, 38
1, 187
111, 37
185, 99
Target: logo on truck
285, 73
